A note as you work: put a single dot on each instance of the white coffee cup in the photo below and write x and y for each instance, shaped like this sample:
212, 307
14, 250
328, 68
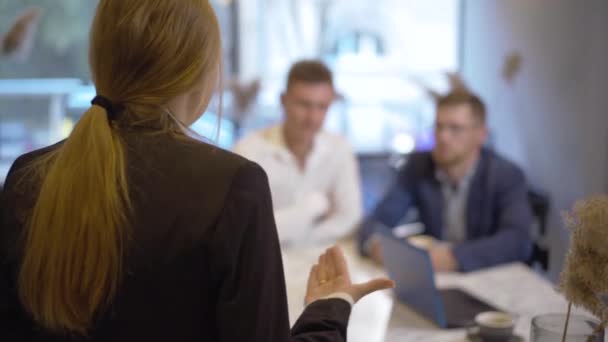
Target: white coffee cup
495, 326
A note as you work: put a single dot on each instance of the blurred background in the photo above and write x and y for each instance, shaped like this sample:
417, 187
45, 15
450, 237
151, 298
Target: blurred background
541, 67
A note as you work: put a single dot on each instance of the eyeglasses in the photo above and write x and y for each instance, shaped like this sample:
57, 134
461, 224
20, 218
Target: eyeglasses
453, 129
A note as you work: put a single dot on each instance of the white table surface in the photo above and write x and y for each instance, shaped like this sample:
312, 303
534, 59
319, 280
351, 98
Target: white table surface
513, 287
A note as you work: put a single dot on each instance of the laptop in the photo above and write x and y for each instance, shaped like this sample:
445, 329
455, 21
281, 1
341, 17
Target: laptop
411, 269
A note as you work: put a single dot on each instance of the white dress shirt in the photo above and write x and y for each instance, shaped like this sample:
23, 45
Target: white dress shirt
321, 203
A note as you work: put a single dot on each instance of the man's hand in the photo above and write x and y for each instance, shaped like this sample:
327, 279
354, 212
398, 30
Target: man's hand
331, 275
443, 259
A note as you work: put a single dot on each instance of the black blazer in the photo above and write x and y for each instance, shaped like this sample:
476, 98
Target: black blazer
203, 263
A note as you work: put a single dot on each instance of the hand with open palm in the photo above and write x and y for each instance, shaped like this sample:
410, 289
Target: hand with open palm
330, 275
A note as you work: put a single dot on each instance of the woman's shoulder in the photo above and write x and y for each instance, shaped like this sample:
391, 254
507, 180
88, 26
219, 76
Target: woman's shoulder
194, 164
20, 164
238, 170
200, 154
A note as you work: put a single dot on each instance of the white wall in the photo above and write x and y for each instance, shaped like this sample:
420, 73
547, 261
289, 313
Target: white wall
553, 120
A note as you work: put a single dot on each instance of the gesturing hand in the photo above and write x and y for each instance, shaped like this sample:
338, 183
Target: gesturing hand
330, 275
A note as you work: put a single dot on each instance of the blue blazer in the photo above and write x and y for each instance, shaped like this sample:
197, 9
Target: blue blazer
498, 212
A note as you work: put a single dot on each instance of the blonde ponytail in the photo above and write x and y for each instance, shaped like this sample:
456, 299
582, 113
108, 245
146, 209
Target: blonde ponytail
72, 257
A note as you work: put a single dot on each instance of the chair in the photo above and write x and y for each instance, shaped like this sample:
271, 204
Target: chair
540, 204
377, 175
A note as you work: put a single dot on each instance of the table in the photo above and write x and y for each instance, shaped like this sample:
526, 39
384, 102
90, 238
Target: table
378, 317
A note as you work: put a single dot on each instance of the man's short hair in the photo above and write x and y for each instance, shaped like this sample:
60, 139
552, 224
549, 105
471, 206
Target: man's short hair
309, 71
458, 98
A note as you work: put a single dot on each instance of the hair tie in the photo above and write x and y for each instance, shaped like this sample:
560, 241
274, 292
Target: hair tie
105, 103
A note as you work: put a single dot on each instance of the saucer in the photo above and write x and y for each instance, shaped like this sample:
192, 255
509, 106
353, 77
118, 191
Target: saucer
474, 337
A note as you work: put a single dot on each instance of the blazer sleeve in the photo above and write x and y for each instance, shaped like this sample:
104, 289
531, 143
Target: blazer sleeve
252, 300
15, 324
511, 241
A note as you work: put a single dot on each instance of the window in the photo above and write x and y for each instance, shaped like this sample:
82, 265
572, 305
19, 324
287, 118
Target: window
34, 88
43, 95
383, 53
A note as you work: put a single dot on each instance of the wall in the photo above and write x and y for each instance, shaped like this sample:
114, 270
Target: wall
553, 118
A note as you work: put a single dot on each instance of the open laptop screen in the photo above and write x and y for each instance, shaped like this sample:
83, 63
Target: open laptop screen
412, 271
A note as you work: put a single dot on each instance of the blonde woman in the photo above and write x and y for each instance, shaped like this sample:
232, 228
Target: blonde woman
129, 230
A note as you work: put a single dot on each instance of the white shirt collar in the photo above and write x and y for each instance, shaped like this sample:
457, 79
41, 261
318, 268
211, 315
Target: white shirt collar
442, 177
274, 135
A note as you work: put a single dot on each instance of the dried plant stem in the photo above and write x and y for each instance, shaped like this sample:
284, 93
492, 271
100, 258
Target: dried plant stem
567, 320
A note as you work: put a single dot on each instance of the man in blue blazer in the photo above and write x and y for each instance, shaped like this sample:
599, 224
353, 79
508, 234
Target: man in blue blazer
465, 195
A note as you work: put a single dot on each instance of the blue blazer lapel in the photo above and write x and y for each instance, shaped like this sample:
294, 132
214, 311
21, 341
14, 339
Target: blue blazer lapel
431, 202
475, 202
474, 209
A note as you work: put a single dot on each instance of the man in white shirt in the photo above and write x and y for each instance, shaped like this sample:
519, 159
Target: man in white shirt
313, 174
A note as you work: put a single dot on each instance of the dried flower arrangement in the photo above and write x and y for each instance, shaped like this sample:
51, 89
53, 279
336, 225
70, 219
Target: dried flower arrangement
18, 41
584, 279
244, 94
456, 84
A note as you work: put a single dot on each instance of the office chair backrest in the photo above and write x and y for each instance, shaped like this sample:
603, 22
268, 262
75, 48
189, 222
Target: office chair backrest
540, 206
